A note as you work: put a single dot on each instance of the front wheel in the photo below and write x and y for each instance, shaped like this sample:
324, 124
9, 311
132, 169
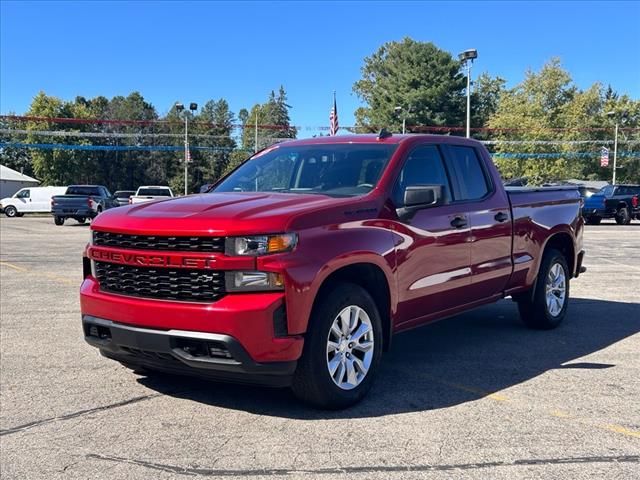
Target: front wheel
342, 349
58, 220
10, 211
81, 220
547, 307
623, 217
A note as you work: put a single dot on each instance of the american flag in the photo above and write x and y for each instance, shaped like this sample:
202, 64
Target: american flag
333, 118
604, 157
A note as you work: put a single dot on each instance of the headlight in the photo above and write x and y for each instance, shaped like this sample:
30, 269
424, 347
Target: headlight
253, 281
261, 244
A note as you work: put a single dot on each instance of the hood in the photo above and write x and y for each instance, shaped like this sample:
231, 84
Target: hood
218, 214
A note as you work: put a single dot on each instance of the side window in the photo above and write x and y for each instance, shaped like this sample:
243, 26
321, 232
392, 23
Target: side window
424, 166
24, 194
466, 167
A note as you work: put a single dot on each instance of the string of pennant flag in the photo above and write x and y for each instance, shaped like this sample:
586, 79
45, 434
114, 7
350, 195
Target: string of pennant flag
423, 128
174, 148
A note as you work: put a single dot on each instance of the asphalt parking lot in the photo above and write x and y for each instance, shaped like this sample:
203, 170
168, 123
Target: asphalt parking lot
477, 396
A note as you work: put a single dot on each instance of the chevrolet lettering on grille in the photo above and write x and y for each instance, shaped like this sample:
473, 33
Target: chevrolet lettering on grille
145, 260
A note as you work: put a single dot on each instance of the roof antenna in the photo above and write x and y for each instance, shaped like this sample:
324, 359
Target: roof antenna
384, 133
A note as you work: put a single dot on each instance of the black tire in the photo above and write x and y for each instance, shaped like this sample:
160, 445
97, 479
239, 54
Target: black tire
593, 220
623, 217
11, 211
533, 308
312, 382
81, 220
58, 220
98, 210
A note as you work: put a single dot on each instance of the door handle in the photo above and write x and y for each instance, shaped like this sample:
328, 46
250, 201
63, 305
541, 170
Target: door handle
501, 217
459, 222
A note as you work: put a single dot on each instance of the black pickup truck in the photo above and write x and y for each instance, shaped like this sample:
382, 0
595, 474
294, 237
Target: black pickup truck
620, 202
81, 202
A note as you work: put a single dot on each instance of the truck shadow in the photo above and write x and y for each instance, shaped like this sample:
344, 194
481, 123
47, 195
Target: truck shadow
445, 364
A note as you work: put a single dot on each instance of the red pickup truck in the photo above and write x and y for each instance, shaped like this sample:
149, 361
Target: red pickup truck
300, 265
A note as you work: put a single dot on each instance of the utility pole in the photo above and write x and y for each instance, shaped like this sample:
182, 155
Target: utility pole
255, 146
180, 109
186, 153
615, 153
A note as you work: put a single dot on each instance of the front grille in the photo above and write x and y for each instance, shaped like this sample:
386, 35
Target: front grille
161, 283
148, 242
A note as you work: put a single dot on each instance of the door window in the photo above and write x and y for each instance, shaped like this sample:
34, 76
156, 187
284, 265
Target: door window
424, 166
23, 194
467, 169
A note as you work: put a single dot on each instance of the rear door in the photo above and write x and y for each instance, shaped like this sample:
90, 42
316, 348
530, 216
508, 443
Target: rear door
432, 250
489, 217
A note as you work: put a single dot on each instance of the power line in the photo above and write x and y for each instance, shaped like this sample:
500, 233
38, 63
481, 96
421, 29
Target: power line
417, 128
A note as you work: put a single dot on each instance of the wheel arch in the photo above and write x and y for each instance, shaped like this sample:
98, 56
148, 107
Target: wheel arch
374, 280
563, 242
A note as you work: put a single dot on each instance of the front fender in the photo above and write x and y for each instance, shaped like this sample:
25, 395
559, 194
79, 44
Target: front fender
324, 250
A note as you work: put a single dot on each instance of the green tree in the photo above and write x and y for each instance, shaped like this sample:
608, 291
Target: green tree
546, 112
416, 76
485, 98
273, 121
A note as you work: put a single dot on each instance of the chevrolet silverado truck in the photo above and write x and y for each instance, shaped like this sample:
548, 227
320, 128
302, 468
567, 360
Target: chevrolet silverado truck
300, 266
619, 202
81, 202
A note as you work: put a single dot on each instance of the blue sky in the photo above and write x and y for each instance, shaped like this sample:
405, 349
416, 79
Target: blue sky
194, 51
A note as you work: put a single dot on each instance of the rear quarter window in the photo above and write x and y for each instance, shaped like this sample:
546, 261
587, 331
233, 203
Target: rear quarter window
469, 173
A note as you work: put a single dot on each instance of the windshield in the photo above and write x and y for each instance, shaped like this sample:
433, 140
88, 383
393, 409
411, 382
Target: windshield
83, 191
607, 191
154, 192
333, 169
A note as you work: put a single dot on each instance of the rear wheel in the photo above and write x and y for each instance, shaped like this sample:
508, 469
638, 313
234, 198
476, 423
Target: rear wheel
58, 220
623, 217
547, 307
10, 211
593, 220
342, 349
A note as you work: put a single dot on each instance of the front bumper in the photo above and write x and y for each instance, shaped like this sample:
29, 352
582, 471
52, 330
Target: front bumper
209, 355
254, 320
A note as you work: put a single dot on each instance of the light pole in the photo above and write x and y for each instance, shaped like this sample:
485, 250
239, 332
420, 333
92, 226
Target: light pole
404, 117
467, 57
180, 109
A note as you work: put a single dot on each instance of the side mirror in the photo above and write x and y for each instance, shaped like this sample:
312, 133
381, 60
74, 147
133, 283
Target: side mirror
418, 197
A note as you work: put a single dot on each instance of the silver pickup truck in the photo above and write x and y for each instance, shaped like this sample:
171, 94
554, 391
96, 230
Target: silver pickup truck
81, 202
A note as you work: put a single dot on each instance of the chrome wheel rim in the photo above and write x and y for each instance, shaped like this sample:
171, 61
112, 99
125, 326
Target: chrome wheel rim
556, 289
350, 345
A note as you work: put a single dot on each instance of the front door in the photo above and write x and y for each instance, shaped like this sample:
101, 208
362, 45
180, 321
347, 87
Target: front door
432, 247
24, 203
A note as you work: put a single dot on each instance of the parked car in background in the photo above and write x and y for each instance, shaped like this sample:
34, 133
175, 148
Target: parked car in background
613, 201
81, 202
29, 200
150, 193
123, 196
298, 268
